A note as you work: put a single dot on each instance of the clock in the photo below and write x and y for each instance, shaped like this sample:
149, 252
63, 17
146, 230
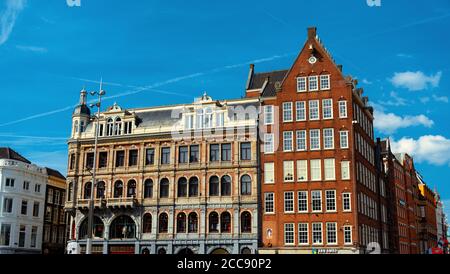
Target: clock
312, 60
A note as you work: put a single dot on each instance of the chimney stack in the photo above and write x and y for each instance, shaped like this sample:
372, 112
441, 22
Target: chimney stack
312, 32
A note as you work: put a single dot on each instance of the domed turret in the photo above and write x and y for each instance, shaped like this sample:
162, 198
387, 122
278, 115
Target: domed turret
82, 108
80, 116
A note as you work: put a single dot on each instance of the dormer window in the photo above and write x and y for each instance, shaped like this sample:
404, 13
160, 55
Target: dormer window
189, 121
128, 126
109, 127
301, 84
118, 126
313, 83
324, 82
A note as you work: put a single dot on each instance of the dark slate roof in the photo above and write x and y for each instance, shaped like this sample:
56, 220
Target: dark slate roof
258, 79
82, 109
8, 153
157, 118
54, 173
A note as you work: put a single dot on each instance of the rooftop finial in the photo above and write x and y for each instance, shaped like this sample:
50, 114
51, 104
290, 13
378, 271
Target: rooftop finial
83, 97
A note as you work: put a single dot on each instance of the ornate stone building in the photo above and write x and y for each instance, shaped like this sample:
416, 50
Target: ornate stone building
170, 179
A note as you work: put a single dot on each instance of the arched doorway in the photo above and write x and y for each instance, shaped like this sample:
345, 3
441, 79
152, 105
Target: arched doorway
123, 227
186, 251
98, 228
220, 251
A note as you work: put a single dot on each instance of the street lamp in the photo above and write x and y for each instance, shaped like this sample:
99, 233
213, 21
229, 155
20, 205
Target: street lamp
99, 94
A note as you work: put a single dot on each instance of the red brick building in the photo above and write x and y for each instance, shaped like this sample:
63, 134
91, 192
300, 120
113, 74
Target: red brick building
320, 191
427, 230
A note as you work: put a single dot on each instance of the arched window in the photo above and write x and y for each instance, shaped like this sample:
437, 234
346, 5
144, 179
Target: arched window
163, 223
75, 126
123, 227
118, 126
162, 251
100, 190
147, 223
225, 185
181, 223
118, 189
246, 185
148, 188
225, 222
131, 189
69, 192
193, 187
87, 190
214, 186
98, 227
193, 222
246, 222
164, 188
109, 127
182, 187
213, 222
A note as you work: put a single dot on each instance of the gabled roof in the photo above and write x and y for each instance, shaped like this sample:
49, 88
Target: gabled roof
258, 79
8, 153
55, 173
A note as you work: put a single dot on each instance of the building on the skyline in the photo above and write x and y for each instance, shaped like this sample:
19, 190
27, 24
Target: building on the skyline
427, 230
22, 196
441, 218
170, 179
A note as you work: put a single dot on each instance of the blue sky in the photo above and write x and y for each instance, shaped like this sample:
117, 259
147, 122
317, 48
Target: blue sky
172, 51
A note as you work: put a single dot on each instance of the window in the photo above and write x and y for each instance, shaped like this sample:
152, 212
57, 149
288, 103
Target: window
316, 196
287, 112
208, 120
330, 173
90, 160
164, 188
181, 223
33, 236
150, 156
328, 138
75, 126
303, 235
87, 191
330, 196
183, 154
5, 234
345, 170
268, 143
301, 140
342, 109
50, 195
22, 236
269, 173
24, 208
102, 159
314, 138
268, 115
72, 161
120, 158
220, 119
302, 170
246, 151
288, 234
165, 155
246, 222
225, 222
148, 188
147, 223
289, 202
193, 187
226, 152
214, 186
225, 185
37, 188
101, 190
327, 108
301, 84
188, 121
303, 201
131, 189
7, 205
246, 185
133, 157
331, 233
288, 171
48, 213
213, 222
324, 82
109, 127
346, 202
269, 206
192, 222
316, 170
317, 233
343, 137
214, 152
300, 111
347, 235
10, 182
163, 223
314, 110
287, 141
36, 209
118, 189
128, 127
194, 154
26, 185
313, 85
118, 126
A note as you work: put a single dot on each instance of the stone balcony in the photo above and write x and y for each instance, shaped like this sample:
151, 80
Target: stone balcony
122, 202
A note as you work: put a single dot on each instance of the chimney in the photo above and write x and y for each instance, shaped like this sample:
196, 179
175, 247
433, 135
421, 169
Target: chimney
83, 97
312, 32
250, 75
339, 67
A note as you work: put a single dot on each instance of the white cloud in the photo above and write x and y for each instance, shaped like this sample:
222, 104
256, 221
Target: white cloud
389, 123
443, 99
32, 49
425, 100
415, 81
433, 149
404, 55
366, 82
8, 18
396, 100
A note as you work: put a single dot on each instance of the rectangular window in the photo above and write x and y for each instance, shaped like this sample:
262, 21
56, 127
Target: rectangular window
226, 152
189, 121
287, 112
331, 233
72, 161
302, 170
36, 209
269, 173
90, 160
327, 109
347, 235
316, 170
246, 151
346, 202
330, 172
330, 200
343, 137
303, 201
288, 171
287, 141
133, 157
268, 115
301, 84
288, 234
150, 156
342, 109
316, 197
24, 208
120, 158
37, 188
214, 152
314, 139
345, 170
317, 233
301, 140
313, 83
103, 159
165, 155
194, 154
289, 202
303, 238
7, 205
314, 110
183, 154
268, 143
269, 202
5, 234
22, 236
300, 110
328, 138
26, 185
33, 236
324, 82
220, 119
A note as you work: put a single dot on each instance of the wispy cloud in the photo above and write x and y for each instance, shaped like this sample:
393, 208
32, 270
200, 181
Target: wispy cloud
8, 18
395, 100
404, 55
442, 99
32, 49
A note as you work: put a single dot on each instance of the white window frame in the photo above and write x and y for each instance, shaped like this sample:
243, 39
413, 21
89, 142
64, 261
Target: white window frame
268, 143
314, 110
348, 229
288, 166
326, 107
302, 169
330, 169
289, 202
314, 140
269, 173
327, 79
313, 79
315, 198
299, 193
288, 141
335, 233
313, 225
291, 227
327, 199
343, 104
345, 164
305, 232
343, 135
268, 115
327, 138
272, 202
313, 167
300, 108
301, 140
347, 196
301, 82
287, 112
